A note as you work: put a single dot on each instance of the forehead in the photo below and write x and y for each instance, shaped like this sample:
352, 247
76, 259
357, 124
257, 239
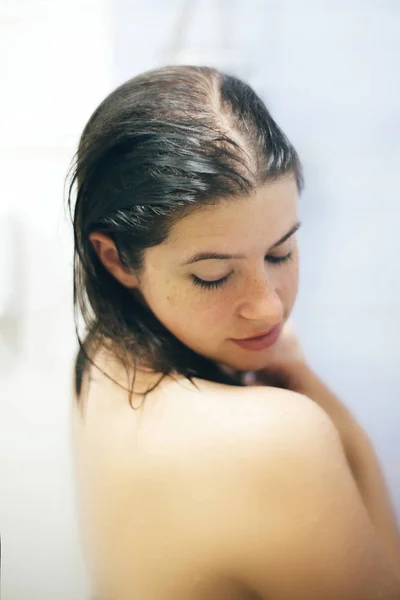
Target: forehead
266, 213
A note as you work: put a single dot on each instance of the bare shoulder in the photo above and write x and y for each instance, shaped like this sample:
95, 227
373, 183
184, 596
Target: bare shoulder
294, 508
261, 416
288, 421
251, 482
244, 437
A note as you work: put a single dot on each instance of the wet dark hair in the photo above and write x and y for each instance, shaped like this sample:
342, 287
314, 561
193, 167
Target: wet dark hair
162, 145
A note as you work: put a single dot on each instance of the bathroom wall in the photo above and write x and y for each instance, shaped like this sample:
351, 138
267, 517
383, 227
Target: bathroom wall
328, 71
56, 60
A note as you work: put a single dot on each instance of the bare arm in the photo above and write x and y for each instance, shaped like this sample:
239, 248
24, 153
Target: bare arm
300, 530
360, 455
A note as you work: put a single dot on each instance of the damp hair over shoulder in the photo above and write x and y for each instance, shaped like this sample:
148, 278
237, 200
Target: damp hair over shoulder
160, 146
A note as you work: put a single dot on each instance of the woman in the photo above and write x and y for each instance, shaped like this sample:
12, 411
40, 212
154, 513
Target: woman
196, 482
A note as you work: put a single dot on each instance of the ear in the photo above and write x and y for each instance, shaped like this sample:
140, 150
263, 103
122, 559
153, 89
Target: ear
108, 255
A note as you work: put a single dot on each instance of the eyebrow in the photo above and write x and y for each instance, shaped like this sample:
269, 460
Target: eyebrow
218, 256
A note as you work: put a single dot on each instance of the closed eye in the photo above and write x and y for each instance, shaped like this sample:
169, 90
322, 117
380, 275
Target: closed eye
212, 285
209, 285
279, 259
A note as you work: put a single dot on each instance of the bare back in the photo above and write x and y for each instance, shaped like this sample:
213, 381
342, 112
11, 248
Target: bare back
147, 480
215, 492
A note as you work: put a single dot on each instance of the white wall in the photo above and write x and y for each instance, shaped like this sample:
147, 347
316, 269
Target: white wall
55, 60
329, 72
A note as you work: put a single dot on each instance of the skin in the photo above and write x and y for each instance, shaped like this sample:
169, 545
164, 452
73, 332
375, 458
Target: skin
258, 294
179, 483
220, 492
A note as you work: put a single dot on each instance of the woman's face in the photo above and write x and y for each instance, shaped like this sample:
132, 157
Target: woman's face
241, 296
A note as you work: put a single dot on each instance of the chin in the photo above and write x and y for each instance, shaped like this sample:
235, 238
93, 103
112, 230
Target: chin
250, 363
231, 366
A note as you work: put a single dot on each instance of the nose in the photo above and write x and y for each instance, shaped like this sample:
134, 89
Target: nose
262, 303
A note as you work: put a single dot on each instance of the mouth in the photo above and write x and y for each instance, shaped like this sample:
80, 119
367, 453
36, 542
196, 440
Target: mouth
258, 335
260, 342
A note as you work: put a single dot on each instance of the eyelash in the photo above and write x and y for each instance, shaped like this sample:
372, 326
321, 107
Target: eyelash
212, 285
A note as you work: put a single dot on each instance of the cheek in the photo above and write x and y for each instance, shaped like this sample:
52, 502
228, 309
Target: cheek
197, 312
288, 283
208, 309
184, 309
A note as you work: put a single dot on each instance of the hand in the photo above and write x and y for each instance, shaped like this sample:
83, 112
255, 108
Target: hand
285, 355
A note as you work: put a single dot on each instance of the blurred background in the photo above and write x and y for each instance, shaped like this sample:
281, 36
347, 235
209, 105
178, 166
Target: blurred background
329, 73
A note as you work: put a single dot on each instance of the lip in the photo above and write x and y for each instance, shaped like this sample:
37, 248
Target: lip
258, 335
261, 341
